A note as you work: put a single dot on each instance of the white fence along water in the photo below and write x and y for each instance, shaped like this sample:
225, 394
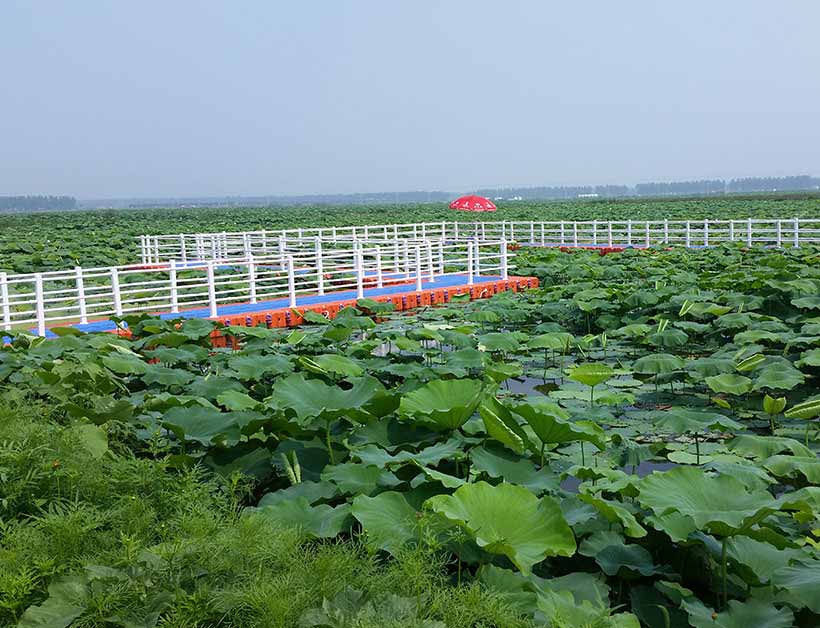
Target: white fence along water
78, 295
778, 232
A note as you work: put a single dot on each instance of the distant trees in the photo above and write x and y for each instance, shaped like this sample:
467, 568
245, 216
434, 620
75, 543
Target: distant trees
37, 203
702, 187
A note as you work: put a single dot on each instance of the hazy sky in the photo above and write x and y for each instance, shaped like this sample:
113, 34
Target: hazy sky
207, 97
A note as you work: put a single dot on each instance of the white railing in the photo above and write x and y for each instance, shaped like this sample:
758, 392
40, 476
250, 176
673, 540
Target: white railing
78, 295
780, 232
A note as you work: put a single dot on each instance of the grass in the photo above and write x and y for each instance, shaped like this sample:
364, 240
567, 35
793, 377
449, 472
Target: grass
108, 538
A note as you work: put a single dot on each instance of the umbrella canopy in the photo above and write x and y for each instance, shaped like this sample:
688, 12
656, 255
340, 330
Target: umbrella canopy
473, 203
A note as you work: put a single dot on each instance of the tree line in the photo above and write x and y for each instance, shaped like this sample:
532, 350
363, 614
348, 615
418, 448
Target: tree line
701, 187
37, 203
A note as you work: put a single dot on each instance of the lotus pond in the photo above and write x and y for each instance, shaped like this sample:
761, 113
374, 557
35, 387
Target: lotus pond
634, 443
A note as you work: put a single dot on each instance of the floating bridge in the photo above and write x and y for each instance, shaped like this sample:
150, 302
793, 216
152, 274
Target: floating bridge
271, 277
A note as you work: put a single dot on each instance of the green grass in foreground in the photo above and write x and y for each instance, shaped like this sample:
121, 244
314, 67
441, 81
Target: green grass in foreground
97, 537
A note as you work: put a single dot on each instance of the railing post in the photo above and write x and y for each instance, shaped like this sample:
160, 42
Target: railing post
796, 232
595, 232
561, 231
320, 267
731, 231
504, 267
749, 232
39, 305
251, 278
172, 279
428, 246
379, 272
629, 232
406, 250
358, 267
4, 300
291, 281
183, 251
246, 244
503, 229
512, 230
688, 234
609, 233
396, 231
443, 229
648, 240
209, 269
532, 231
779, 233
666, 231
418, 269
477, 260
78, 271
543, 235
441, 256
455, 230
424, 231
470, 262
366, 232
706, 232
575, 233
115, 291
282, 244
264, 239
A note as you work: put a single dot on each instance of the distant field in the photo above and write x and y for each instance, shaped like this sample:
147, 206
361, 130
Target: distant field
56, 240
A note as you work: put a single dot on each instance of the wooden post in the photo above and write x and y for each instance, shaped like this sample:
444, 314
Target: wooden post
78, 271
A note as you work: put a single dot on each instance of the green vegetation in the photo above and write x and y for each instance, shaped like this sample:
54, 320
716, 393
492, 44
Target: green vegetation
60, 240
635, 443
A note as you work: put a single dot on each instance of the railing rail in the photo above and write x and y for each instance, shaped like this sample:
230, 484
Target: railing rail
78, 295
777, 232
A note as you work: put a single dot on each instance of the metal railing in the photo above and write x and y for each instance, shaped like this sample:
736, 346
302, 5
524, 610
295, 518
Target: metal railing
81, 294
777, 232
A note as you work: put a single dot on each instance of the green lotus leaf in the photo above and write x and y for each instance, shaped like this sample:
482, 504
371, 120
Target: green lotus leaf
166, 376
766, 446
67, 600
508, 520
680, 421
235, 400
312, 491
207, 425
591, 374
615, 512
125, 364
551, 425
807, 410
557, 341
443, 404
658, 364
359, 479
321, 522
755, 613
708, 367
755, 335
331, 363
502, 426
807, 303
310, 399
778, 377
498, 341
669, 338
389, 521
801, 583
794, 466
719, 504
809, 358
729, 383
500, 463
761, 559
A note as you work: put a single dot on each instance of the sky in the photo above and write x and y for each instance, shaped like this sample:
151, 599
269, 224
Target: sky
102, 99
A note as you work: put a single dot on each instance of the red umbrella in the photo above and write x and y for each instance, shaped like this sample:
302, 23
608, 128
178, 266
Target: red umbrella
473, 203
